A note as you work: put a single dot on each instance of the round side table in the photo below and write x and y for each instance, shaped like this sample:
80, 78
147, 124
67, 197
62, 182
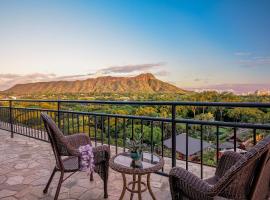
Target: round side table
150, 164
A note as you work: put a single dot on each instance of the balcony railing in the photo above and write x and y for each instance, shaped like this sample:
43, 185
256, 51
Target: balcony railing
73, 116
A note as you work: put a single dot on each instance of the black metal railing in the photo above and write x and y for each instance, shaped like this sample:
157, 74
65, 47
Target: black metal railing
23, 117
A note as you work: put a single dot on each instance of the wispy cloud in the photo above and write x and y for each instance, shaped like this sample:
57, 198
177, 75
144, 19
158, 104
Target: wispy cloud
201, 80
72, 77
255, 62
248, 59
242, 53
162, 73
8, 80
130, 68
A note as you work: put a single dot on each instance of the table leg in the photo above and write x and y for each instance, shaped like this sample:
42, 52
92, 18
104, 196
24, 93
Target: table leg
133, 186
149, 187
139, 187
124, 186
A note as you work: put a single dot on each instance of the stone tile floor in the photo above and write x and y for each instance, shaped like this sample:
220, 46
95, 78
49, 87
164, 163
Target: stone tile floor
26, 164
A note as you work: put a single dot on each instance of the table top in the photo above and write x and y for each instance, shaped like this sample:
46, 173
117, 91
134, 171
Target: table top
150, 163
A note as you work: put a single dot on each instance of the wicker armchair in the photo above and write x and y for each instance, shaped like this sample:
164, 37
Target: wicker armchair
237, 177
67, 156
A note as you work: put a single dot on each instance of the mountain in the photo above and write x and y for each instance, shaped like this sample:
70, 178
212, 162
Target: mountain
143, 83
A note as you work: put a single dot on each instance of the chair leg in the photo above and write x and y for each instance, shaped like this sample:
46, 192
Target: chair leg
59, 186
105, 189
91, 176
105, 181
49, 181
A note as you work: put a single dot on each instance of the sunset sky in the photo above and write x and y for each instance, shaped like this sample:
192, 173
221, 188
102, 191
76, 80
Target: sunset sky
188, 43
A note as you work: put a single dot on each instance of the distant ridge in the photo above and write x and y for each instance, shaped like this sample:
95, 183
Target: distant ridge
143, 83
235, 88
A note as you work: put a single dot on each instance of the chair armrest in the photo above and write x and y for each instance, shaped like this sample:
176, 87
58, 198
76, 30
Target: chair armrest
185, 184
78, 139
227, 160
75, 141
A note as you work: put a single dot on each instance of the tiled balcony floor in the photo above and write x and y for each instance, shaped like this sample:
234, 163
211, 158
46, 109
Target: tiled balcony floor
26, 164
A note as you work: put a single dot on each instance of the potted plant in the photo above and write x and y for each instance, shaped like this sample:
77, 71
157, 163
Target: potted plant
135, 148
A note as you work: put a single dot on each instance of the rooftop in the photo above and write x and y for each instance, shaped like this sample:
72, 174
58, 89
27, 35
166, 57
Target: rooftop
194, 145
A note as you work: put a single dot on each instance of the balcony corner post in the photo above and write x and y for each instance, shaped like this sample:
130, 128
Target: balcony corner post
173, 136
11, 119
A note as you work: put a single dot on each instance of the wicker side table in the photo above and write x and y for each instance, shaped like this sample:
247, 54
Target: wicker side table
150, 163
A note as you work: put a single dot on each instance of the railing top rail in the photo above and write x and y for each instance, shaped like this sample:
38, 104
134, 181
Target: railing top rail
161, 119
152, 103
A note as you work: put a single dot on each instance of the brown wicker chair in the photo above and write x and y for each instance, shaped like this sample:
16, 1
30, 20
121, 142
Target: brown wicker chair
237, 177
67, 147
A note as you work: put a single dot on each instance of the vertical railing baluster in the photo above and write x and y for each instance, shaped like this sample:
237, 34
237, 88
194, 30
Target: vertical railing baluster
217, 150
142, 133
187, 132
63, 123
68, 125
132, 129
83, 122
78, 123
102, 129
20, 127
162, 142
15, 120
58, 113
124, 134
31, 123
89, 126
6, 115
201, 151
152, 142
1, 117
44, 134
173, 136
95, 130
73, 129
21, 121
234, 140
28, 124
254, 137
35, 123
109, 132
5, 118
116, 135
25, 122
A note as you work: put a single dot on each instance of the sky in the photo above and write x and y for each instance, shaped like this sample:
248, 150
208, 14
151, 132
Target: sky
188, 43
